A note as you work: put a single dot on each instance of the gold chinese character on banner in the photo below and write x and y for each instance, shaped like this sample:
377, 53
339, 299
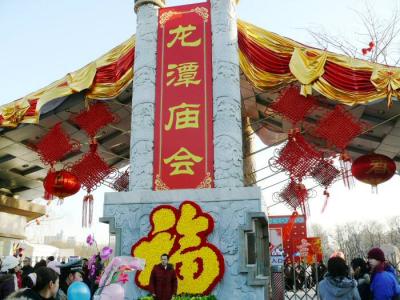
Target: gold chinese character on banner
182, 161
378, 167
183, 74
184, 115
181, 33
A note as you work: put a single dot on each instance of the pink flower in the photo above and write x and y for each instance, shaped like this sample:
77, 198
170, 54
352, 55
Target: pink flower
123, 277
92, 265
106, 253
90, 240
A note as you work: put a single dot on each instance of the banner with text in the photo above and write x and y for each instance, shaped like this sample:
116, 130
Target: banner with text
183, 137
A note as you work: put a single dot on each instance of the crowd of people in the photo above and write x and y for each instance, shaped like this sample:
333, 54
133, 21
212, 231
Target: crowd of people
365, 279
48, 279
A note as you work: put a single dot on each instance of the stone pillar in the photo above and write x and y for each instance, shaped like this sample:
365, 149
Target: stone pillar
143, 95
228, 154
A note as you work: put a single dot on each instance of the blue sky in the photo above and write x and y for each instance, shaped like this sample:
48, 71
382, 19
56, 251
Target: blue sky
42, 40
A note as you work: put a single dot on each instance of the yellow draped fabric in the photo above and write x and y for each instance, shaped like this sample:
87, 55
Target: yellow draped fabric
307, 66
83, 79
387, 80
267, 60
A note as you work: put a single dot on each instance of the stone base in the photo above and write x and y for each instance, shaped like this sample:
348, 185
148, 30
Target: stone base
128, 216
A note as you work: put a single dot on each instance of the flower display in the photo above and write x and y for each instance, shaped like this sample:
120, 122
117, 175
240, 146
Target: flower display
123, 278
90, 240
181, 233
106, 253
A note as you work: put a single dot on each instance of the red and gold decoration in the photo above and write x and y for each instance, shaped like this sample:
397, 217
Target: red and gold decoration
91, 170
298, 157
315, 252
292, 105
182, 234
325, 173
294, 195
61, 184
288, 228
339, 128
121, 183
96, 117
52, 148
268, 60
373, 169
183, 151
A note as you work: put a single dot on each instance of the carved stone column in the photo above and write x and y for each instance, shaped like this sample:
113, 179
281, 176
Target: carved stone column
228, 153
143, 95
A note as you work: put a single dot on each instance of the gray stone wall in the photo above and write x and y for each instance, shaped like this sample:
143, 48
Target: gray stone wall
143, 98
228, 154
128, 215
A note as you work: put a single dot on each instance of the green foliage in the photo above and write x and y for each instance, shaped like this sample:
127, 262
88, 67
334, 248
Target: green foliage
184, 297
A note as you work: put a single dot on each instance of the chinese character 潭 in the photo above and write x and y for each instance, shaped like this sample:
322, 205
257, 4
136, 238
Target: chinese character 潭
181, 33
182, 161
185, 116
183, 74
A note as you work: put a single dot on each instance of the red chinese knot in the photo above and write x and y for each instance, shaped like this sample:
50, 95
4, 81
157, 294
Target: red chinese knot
55, 145
96, 117
91, 170
121, 184
298, 157
373, 168
294, 195
292, 105
338, 127
325, 173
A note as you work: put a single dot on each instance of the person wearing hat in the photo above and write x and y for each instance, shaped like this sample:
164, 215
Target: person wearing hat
70, 273
384, 283
8, 279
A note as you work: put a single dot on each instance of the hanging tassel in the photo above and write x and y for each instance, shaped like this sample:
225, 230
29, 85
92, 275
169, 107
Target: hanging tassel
48, 184
48, 196
345, 165
374, 189
326, 194
87, 211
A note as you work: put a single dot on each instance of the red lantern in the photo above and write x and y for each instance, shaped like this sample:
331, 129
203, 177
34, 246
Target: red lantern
61, 184
373, 168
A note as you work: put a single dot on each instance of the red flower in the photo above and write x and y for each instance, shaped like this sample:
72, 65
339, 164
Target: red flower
123, 277
371, 45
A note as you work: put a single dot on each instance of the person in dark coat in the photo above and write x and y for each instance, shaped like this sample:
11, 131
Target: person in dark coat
70, 273
8, 279
361, 275
163, 281
46, 287
27, 267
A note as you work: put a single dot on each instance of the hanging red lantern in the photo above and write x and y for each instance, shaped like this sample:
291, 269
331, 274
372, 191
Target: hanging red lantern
61, 184
373, 168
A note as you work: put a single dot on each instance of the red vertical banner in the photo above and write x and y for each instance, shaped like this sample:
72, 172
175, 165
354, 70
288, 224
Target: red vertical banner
183, 151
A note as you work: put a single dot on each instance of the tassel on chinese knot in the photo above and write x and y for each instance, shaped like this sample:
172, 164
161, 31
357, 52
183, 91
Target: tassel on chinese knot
87, 210
345, 165
326, 194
